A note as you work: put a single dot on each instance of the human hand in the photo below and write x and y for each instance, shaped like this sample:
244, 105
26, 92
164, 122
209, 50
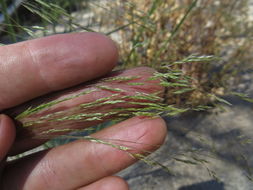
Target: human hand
33, 68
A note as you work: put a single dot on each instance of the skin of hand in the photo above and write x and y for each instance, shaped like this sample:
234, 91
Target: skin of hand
36, 67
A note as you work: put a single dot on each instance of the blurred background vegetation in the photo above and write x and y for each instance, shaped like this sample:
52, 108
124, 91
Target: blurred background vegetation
150, 32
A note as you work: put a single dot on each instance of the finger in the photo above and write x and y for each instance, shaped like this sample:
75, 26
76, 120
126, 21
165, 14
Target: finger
33, 68
107, 183
79, 163
27, 137
7, 135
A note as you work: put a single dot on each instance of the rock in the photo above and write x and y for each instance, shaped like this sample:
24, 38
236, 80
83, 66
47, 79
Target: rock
221, 139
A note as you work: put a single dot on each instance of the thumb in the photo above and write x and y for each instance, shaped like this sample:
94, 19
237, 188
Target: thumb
7, 135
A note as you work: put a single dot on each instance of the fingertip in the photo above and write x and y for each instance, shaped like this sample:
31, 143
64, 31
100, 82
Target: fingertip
119, 182
159, 127
96, 49
83, 56
7, 135
151, 133
106, 44
146, 133
108, 183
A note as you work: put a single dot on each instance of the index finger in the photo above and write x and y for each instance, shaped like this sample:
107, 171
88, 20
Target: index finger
33, 68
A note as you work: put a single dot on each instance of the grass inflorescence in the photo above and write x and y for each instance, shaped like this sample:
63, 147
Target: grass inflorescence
118, 104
